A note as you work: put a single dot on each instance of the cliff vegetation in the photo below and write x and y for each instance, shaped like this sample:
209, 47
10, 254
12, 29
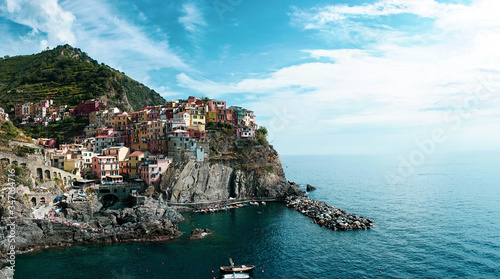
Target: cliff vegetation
68, 76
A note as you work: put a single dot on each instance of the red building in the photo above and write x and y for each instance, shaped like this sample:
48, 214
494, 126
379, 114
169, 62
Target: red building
225, 116
202, 136
86, 107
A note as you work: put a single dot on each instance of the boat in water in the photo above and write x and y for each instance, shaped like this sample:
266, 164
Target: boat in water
236, 268
236, 275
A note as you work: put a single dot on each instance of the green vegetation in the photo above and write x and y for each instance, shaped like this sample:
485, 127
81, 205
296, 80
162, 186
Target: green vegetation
68, 76
10, 131
63, 131
217, 126
260, 135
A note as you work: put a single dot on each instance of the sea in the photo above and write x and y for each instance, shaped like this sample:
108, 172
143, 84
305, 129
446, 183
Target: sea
441, 220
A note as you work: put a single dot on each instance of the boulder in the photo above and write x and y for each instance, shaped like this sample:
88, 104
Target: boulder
199, 233
309, 187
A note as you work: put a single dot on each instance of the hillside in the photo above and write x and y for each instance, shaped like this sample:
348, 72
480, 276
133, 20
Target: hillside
8, 132
68, 76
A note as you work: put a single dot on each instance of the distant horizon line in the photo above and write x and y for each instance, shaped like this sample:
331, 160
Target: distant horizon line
389, 154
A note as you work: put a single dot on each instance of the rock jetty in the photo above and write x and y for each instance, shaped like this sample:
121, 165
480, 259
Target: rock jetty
328, 216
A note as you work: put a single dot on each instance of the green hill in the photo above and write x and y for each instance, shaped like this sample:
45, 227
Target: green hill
68, 76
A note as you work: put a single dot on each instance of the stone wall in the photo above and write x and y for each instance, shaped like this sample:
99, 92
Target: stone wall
35, 164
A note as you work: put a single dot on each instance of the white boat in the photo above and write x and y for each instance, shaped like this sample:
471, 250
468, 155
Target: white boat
236, 275
263, 203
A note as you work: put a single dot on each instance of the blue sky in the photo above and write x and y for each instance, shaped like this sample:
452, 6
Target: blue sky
325, 77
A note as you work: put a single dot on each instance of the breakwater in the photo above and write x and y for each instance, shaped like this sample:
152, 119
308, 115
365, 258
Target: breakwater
328, 216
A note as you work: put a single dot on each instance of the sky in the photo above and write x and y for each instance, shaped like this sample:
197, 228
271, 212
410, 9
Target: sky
324, 77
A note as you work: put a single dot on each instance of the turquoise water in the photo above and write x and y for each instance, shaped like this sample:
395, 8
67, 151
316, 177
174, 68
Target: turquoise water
442, 222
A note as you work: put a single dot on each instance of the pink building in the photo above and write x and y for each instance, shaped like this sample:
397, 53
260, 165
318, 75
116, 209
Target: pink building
245, 132
215, 105
152, 169
106, 168
47, 143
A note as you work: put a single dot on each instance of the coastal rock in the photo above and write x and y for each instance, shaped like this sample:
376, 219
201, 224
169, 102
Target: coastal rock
150, 220
199, 233
310, 188
328, 216
196, 182
234, 168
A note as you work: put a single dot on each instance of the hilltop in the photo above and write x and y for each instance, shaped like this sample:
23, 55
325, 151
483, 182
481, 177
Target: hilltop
68, 76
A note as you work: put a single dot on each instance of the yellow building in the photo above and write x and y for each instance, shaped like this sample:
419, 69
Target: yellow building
120, 121
139, 136
73, 165
143, 116
197, 119
135, 160
211, 116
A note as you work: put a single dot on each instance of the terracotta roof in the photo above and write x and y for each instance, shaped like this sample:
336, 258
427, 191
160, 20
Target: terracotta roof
136, 153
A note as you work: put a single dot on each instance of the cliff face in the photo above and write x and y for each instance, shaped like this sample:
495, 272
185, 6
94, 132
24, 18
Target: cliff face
150, 220
238, 169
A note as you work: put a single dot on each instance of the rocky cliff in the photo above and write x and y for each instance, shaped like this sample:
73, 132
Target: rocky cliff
234, 168
79, 223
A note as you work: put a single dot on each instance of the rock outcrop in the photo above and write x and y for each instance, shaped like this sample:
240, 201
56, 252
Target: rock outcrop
309, 187
199, 233
150, 220
241, 170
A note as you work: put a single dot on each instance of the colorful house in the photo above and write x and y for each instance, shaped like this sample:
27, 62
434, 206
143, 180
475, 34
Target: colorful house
225, 116
86, 107
119, 152
120, 121
135, 160
245, 132
102, 142
106, 168
152, 169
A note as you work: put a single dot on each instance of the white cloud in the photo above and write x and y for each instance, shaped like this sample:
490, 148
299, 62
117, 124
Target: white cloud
109, 37
387, 83
97, 28
192, 20
365, 24
46, 16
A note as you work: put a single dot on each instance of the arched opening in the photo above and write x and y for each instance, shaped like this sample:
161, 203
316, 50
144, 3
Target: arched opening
23, 165
15, 163
5, 161
55, 174
33, 201
60, 175
65, 180
109, 200
39, 173
47, 174
115, 190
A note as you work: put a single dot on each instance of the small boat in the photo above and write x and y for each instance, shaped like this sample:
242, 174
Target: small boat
263, 203
236, 275
236, 268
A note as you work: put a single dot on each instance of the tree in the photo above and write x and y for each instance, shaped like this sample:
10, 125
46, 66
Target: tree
262, 130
